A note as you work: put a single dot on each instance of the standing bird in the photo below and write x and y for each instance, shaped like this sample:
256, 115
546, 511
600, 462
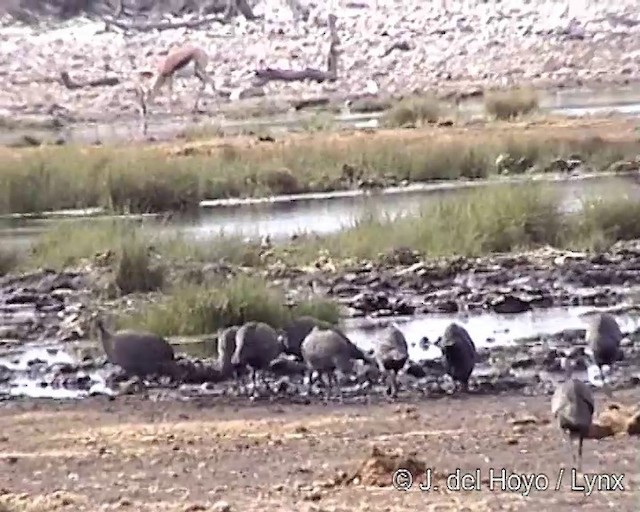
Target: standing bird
603, 337
297, 330
573, 405
327, 350
226, 349
391, 353
138, 353
176, 60
460, 353
257, 344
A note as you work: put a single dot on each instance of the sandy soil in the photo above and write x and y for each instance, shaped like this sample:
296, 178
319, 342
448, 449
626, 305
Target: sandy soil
611, 129
143, 455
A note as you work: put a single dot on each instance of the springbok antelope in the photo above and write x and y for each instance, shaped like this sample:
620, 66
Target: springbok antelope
176, 60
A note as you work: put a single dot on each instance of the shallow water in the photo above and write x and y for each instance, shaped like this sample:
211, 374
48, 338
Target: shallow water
280, 219
487, 330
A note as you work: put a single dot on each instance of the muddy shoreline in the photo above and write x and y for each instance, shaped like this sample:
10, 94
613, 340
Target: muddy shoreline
401, 284
54, 308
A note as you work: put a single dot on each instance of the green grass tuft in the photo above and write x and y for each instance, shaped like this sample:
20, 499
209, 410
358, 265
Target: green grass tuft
131, 256
195, 310
496, 219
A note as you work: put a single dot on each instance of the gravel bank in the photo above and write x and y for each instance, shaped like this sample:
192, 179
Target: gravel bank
472, 45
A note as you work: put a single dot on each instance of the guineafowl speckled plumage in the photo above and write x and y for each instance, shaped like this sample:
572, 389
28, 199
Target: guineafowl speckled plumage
459, 352
573, 405
391, 353
138, 353
327, 350
603, 337
297, 330
257, 344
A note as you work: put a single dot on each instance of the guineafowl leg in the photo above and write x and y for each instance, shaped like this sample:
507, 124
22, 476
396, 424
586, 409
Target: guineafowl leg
254, 380
386, 379
580, 441
329, 382
240, 382
394, 384
601, 374
339, 387
568, 444
309, 382
268, 381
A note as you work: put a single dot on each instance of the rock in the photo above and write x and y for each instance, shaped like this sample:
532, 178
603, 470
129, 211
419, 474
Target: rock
509, 304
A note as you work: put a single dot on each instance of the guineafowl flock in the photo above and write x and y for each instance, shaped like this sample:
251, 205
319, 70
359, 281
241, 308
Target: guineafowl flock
318, 351
306, 347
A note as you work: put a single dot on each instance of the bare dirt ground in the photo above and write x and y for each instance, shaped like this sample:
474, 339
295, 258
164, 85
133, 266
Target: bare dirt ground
137, 454
611, 129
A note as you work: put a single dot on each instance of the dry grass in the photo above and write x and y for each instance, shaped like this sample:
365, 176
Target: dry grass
414, 111
129, 244
508, 105
162, 178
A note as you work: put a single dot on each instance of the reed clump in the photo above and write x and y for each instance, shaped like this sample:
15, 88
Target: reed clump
479, 222
603, 222
177, 178
511, 104
195, 310
475, 222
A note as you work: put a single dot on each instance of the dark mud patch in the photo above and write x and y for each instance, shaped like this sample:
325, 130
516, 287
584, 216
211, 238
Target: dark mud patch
505, 284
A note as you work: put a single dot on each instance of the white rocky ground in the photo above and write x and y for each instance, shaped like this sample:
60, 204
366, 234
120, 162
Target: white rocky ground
471, 44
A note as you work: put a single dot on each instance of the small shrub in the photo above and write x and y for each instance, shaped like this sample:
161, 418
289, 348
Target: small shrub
370, 105
416, 110
202, 131
282, 181
318, 122
507, 105
72, 241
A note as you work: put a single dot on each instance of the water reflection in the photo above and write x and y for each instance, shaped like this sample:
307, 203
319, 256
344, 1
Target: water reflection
486, 329
281, 220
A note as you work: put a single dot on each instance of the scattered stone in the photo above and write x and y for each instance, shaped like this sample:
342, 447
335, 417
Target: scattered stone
221, 506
